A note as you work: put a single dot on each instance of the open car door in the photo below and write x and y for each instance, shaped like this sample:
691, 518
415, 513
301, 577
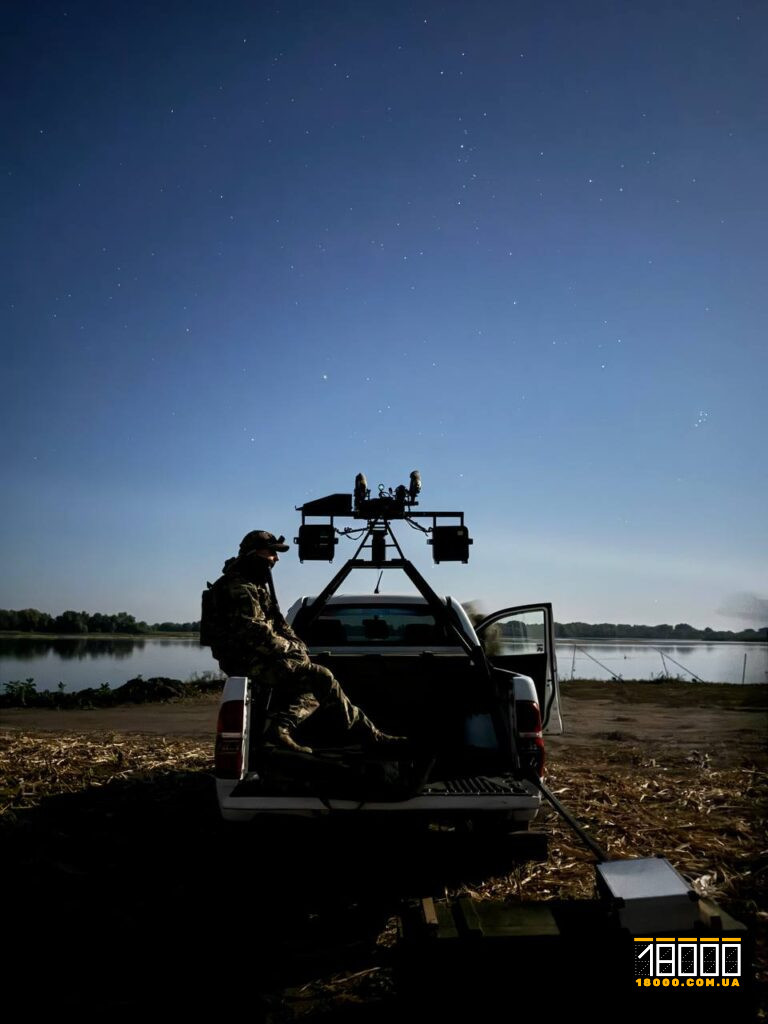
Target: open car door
522, 639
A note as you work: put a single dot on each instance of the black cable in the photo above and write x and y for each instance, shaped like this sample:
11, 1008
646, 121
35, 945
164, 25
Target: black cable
417, 526
577, 827
352, 534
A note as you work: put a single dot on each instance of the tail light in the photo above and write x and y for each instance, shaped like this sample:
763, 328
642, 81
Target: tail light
530, 737
228, 755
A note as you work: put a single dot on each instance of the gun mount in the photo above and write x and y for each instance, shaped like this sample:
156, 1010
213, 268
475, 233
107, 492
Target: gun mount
450, 543
317, 541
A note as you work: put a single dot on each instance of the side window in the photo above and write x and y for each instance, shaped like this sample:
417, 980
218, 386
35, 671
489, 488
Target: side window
517, 633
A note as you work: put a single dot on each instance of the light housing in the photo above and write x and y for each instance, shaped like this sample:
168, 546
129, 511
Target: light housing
450, 543
317, 542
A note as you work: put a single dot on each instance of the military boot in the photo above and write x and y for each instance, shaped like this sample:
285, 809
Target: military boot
280, 735
373, 738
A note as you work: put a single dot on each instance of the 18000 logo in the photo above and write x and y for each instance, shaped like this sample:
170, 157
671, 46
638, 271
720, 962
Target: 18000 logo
688, 962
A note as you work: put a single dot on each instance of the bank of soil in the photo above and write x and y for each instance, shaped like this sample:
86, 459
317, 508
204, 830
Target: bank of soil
124, 877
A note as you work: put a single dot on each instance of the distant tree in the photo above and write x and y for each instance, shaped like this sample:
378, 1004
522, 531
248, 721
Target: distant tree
124, 623
9, 619
100, 623
683, 631
30, 620
72, 622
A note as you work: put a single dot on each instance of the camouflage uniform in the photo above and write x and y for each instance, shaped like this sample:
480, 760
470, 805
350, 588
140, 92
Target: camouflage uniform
249, 637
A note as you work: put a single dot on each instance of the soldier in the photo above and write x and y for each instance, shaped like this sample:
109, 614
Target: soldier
249, 637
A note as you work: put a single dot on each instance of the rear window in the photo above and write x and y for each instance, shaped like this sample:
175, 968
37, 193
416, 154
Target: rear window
342, 625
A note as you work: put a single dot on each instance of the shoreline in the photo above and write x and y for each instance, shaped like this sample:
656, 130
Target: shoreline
192, 634
162, 689
681, 715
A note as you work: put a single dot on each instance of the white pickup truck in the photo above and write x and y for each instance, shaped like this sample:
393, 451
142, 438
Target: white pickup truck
476, 699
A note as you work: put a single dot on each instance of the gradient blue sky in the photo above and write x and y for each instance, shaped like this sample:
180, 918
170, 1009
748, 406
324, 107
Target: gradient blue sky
253, 248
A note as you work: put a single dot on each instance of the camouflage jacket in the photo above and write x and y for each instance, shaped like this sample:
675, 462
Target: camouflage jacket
246, 628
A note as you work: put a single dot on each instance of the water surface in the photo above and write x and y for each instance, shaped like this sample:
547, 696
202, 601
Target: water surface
80, 662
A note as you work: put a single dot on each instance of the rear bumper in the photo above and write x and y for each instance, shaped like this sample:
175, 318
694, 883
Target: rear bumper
242, 801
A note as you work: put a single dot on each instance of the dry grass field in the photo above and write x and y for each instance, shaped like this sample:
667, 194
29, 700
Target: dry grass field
117, 866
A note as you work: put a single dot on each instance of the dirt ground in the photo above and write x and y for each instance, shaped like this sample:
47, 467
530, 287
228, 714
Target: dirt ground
121, 878
732, 720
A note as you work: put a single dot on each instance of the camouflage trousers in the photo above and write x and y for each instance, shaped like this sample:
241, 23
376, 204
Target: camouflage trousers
301, 688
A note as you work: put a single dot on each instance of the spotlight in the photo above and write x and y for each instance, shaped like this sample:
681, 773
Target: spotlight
415, 488
450, 543
316, 542
361, 489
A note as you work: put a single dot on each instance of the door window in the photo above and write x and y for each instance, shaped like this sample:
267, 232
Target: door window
516, 633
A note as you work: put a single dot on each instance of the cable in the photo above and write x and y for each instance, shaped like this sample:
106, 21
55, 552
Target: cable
416, 526
577, 827
355, 534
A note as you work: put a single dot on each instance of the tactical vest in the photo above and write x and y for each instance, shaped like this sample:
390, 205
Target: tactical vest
215, 607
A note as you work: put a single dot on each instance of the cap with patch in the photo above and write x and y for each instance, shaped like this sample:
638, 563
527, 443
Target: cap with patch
260, 540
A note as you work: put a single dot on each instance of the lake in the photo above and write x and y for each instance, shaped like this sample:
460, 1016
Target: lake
722, 662
90, 661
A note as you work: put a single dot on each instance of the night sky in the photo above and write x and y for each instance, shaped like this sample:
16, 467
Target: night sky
254, 248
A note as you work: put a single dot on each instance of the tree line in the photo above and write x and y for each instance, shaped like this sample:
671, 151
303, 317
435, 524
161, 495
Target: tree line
623, 631
30, 620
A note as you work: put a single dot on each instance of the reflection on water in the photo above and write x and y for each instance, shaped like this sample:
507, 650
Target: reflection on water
80, 662
67, 648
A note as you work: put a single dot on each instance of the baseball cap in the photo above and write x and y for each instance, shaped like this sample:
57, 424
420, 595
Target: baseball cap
258, 540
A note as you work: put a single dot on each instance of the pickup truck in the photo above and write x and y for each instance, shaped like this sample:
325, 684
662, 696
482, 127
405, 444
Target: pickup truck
476, 699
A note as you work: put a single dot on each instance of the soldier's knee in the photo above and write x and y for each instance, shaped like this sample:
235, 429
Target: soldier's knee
321, 680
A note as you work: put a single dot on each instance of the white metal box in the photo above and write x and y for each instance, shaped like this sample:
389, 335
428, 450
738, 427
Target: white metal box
648, 895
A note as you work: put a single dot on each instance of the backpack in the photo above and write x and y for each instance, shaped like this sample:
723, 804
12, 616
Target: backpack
209, 615
213, 609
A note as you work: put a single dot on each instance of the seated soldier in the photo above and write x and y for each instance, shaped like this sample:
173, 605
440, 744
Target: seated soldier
249, 637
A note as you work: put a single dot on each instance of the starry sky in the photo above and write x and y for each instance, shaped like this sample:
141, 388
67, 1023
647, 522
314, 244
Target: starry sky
253, 248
